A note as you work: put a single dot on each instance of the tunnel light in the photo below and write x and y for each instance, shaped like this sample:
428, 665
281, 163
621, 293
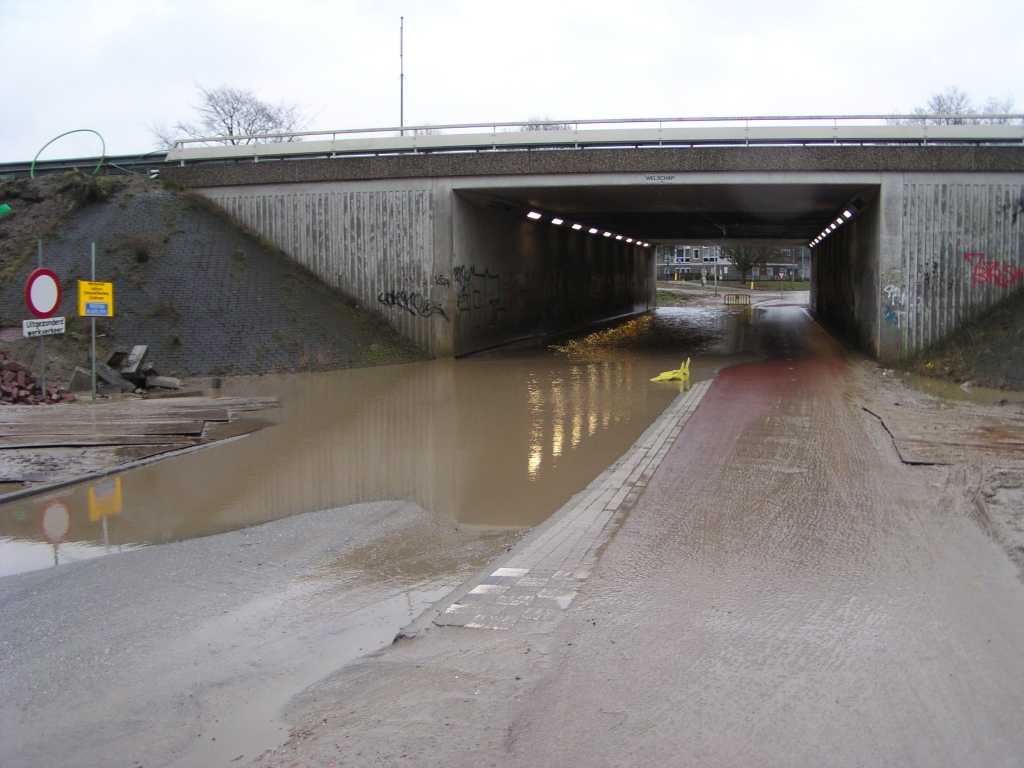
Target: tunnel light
593, 230
833, 227
577, 226
533, 215
607, 234
556, 221
618, 237
847, 214
629, 239
839, 221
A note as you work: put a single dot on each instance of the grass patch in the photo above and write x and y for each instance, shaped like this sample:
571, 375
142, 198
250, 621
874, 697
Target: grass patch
669, 299
164, 308
140, 247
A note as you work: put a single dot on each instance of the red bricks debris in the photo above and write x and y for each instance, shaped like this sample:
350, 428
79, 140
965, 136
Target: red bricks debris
19, 387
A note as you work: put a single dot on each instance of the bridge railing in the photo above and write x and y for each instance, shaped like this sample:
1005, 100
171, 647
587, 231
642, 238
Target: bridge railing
624, 132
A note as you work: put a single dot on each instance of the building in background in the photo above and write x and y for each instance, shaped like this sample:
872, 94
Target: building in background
692, 261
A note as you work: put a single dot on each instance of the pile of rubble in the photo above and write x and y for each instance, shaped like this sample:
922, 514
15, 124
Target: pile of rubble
123, 372
20, 387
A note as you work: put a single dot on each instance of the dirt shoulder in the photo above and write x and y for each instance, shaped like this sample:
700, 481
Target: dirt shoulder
988, 351
981, 445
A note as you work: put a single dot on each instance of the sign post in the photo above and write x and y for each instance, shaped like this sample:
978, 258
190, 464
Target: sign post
95, 300
42, 296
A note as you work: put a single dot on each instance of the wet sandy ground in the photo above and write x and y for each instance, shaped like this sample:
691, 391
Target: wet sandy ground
786, 592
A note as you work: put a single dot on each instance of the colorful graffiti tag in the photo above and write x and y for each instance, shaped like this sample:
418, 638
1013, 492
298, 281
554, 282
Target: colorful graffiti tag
992, 272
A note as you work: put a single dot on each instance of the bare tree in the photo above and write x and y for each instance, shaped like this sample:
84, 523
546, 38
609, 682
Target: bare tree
746, 257
954, 107
425, 130
994, 106
234, 116
544, 124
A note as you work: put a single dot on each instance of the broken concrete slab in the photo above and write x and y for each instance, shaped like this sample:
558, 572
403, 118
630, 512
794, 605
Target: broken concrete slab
133, 365
112, 378
116, 358
167, 382
81, 381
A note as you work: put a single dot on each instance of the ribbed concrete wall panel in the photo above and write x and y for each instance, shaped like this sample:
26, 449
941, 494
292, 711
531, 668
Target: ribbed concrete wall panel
963, 251
371, 245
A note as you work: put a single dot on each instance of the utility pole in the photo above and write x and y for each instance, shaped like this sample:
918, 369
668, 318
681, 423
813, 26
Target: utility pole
401, 74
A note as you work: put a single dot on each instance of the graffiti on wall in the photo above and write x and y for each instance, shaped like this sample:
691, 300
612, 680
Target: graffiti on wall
895, 298
985, 272
476, 291
415, 304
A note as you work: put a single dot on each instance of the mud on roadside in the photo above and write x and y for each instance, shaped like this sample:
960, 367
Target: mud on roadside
982, 446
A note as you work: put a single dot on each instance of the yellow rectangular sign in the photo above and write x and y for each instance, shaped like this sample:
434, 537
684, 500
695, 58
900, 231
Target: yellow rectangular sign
95, 299
105, 499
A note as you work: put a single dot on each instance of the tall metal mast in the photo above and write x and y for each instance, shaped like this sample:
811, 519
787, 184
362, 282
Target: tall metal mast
401, 73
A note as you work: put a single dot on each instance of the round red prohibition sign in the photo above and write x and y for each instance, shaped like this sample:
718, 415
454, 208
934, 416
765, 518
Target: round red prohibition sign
42, 293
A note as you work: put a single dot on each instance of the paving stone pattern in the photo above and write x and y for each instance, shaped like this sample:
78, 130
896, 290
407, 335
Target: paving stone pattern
209, 298
547, 569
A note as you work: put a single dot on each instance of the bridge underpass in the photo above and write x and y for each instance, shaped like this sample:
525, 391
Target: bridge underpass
441, 246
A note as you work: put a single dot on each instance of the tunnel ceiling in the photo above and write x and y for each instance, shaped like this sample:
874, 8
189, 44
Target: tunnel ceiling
793, 213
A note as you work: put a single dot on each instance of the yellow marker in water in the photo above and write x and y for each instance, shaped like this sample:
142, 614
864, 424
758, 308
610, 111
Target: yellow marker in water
680, 374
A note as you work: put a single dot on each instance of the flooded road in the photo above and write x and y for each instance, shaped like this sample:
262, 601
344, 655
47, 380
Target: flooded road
410, 477
786, 592
499, 440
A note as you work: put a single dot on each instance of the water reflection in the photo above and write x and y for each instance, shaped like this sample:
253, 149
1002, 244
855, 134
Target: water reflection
497, 440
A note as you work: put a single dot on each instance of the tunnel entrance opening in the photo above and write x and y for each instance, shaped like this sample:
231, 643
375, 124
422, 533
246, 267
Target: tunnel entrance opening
533, 259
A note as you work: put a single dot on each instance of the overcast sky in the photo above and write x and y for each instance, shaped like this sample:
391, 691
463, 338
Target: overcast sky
118, 66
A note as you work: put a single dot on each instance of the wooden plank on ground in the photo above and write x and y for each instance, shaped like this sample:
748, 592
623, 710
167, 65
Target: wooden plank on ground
43, 441
105, 429
941, 437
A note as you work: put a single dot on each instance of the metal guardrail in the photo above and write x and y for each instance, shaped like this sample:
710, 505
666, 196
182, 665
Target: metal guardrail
147, 165
899, 130
737, 298
632, 132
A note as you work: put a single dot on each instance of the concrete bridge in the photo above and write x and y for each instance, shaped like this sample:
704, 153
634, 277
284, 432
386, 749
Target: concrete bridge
482, 235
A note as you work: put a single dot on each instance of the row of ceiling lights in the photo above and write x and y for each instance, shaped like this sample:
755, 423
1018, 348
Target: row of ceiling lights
537, 215
847, 215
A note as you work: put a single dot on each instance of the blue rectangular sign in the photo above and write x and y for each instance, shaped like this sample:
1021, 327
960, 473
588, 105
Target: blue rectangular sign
96, 309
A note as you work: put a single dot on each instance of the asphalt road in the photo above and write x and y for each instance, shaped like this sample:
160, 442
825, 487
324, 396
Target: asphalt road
184, 654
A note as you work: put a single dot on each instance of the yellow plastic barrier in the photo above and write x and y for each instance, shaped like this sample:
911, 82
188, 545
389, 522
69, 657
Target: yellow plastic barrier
680, 374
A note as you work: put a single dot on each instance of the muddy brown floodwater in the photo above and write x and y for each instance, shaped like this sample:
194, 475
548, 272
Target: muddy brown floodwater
500, 440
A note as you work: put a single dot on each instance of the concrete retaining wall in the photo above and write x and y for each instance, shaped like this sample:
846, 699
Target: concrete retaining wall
930, 253
375, 242
515, 279
452, 277
962, 252
844, 275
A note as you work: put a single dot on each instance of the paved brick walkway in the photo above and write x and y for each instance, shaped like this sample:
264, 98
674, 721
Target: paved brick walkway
545, 571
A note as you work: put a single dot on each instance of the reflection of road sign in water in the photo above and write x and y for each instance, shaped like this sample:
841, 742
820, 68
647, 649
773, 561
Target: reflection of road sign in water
42, 292
105, 499
95, 299
55, 521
